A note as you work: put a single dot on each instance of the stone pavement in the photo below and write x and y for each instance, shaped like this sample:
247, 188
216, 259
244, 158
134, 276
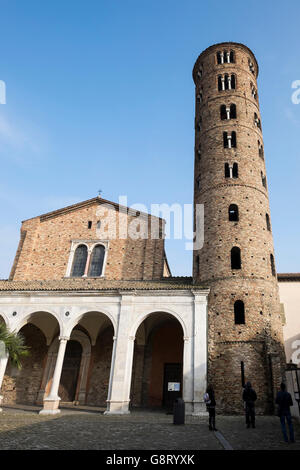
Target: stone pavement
25, 430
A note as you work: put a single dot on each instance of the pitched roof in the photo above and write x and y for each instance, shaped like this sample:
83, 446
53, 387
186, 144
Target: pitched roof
90, 202
85, 284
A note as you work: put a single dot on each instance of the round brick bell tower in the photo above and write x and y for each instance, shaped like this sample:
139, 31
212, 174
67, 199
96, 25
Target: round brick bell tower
245, 340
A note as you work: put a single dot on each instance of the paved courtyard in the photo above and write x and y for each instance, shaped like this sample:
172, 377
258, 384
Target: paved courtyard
24, 429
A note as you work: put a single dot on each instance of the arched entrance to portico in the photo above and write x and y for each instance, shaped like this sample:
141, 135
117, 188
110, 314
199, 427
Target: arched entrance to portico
22, 386
95, 364
157, 362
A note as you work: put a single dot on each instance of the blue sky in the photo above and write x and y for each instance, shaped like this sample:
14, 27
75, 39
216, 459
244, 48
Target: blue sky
100, 95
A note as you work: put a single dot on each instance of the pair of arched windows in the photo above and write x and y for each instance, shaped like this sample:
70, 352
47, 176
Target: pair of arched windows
231, 171
82, 265
226, 82
229, 140
228, 112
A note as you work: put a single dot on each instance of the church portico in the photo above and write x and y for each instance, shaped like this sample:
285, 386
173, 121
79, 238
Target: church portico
95, 348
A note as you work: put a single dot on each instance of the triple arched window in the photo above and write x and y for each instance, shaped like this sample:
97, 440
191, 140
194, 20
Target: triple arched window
87, 263
224, 57
226, 82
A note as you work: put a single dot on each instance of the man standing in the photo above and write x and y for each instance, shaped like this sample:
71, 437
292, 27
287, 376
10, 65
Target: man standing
284, 401
249, 397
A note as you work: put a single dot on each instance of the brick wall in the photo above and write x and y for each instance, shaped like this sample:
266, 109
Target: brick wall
44, 252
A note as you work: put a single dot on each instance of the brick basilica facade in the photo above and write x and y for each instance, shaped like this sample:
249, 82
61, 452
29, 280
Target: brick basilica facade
107, 324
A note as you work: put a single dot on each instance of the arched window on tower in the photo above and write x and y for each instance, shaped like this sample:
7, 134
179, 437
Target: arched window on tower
236, 258
223, 112
199, 124
97, 260
272, 265
226, 82
257, 121
199, 151
199, 97
233, 139
229, 140
263, 180
260, 150
239, 312
232, 57
220, 86
232, 111
235, 170
233, 213
232, 82
79, 262
251, 67
227, 170
268, 222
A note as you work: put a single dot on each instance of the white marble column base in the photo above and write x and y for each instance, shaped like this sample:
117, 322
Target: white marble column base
51, 406
117, 408
200, 409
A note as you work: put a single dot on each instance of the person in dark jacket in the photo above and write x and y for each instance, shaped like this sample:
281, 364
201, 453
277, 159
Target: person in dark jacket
209, 398
284, 401
249, 397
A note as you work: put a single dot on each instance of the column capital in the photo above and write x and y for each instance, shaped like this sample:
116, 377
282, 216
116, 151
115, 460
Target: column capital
63, 338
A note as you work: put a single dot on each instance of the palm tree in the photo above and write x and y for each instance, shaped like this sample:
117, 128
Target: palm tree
14, 345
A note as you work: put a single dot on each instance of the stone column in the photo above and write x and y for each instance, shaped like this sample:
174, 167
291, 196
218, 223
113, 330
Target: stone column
46, 377
200, 353
188, 374
51, 403
3, 364
121, 366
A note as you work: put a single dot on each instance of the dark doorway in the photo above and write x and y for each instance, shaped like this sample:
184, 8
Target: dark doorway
172, 376
70, 371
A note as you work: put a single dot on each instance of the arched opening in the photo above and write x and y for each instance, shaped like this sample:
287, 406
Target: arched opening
223, 112
79, 262
70, 372
233, 82
232, 111
272, 265
97, 259
95, 332
233, 213
235, 258
220, 83
235, 170
158, 362
239, 312
23, 386
268, 222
